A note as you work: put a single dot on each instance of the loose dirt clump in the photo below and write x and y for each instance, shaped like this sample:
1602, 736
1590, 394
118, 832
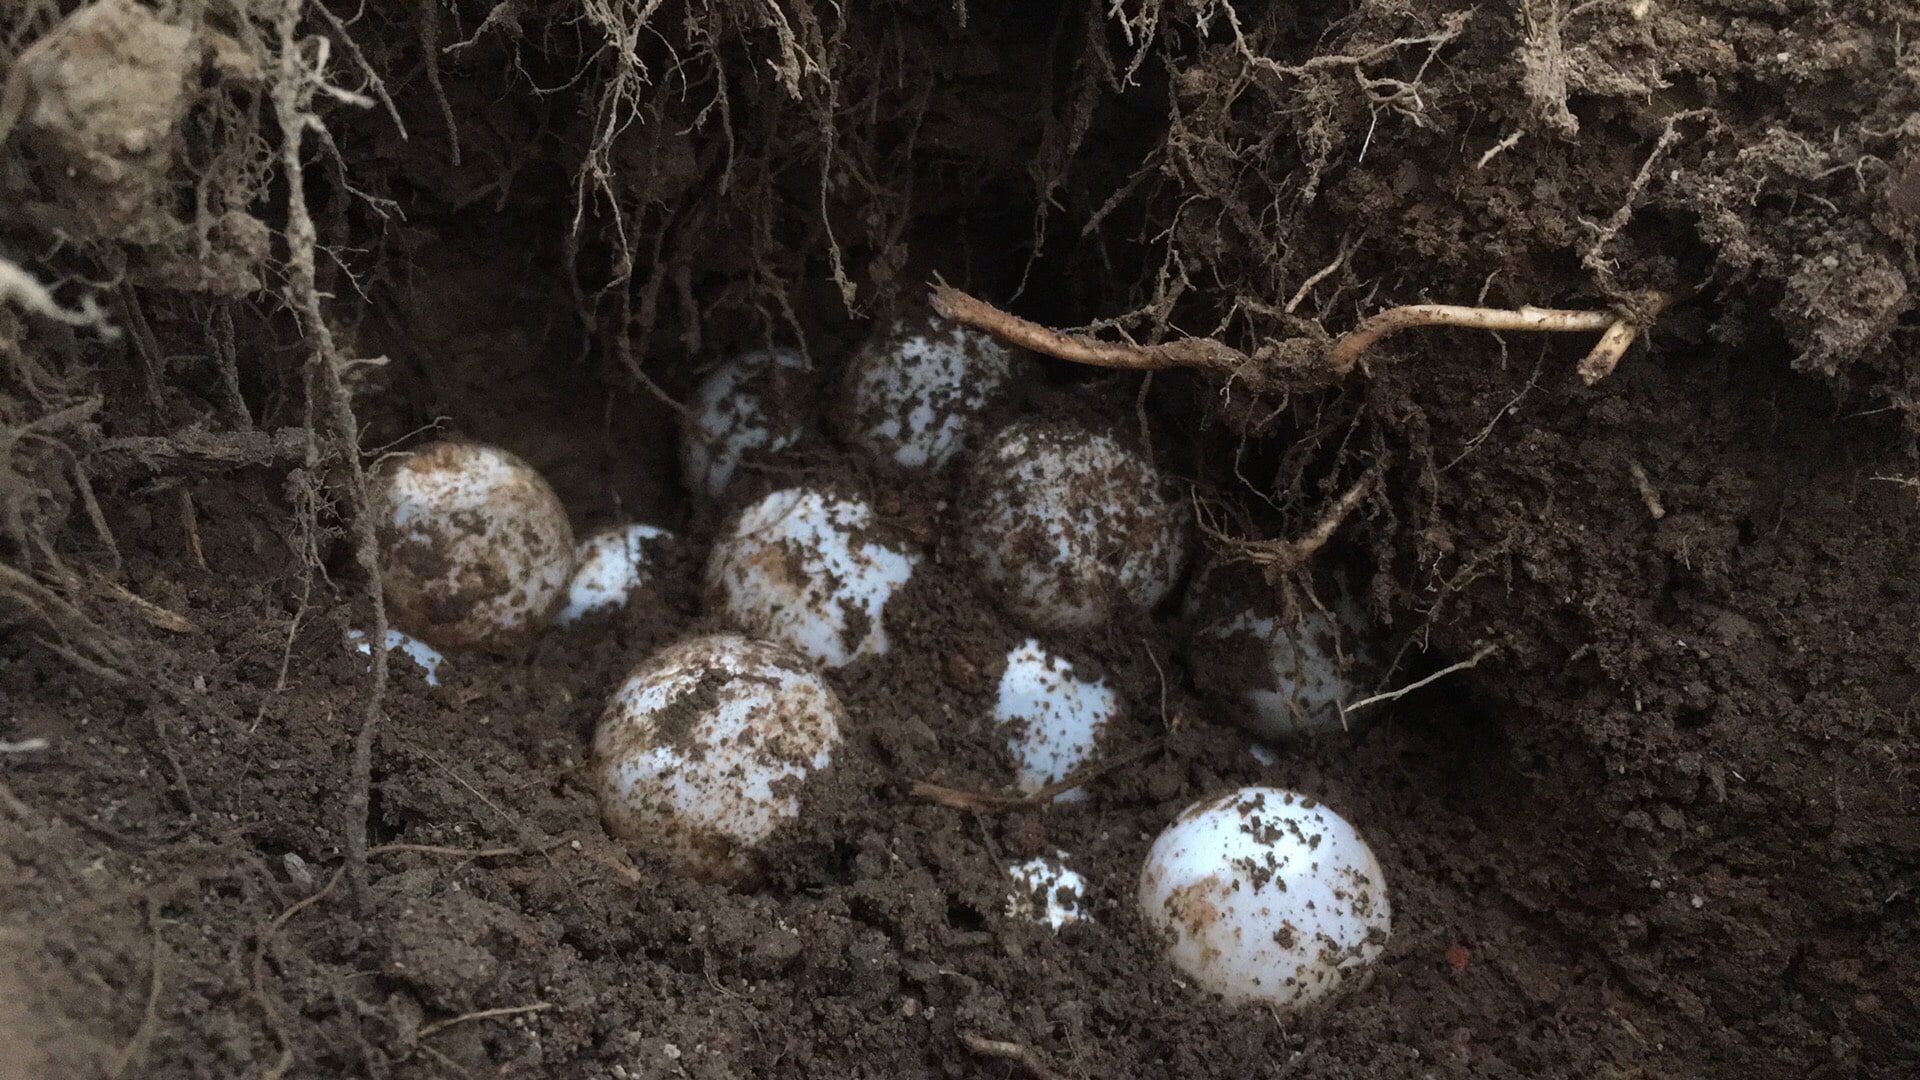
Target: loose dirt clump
1656, 816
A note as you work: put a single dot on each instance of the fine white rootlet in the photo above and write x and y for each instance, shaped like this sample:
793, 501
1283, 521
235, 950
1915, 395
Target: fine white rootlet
1046, 891
474, 546
1266, 895
613, 565
1067, 528
811, 571
1053, 719
424, 656
704, 749
913, 393
746, 405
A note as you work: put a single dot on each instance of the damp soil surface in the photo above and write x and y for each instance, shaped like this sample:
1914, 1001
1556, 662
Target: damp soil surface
1657, 812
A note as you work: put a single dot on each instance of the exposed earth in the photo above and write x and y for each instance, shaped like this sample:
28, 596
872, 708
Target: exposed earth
1656, 815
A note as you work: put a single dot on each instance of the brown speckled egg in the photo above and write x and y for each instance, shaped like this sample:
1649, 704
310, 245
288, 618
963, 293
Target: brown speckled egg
475, 548
703, 750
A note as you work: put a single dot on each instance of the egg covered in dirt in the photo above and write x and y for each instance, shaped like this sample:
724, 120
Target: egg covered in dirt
705, 748
1281, 671
755, 403
812, 570
1264, 895
1067, 529
474, 547
1045, 890
612, 566
1053, 719
913, 394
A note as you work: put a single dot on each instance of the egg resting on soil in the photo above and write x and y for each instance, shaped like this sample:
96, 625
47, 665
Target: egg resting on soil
474, 546
755, 402
703, 749
811, 571
1053, 719
1266, 895
912, 395
1046, 891
612, 566
1067, 529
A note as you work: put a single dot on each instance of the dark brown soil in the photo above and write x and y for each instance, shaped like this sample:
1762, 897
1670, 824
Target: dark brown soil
1668, 824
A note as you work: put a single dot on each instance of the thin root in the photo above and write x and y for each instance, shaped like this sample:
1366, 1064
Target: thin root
1022, 1056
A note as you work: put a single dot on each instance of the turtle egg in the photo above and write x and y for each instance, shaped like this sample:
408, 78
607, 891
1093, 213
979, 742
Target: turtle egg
1279, 677
1053, 719
424, 656
704, 749
810, 571
1046, 891
1067, 528
911, 394
1266, 895
474, 546
613, 566
753, 403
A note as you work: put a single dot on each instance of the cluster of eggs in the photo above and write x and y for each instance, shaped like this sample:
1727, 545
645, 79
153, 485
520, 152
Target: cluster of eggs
705, 748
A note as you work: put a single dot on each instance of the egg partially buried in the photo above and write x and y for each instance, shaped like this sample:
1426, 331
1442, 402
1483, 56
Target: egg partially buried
1053, 719
613, 565
704, 749
474, 546
1266, 895
424, 656
1067, 528
754, 403
1045, 890
812, 571
1280, 676
913, 393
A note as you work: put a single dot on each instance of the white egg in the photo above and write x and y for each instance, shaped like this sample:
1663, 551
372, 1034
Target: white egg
1052, 718
1279, 677
913, 393
474, 546
1068, 529
755, 403
1266, 895
1045, 890
812, 571
703, 751
424, 656
613, 566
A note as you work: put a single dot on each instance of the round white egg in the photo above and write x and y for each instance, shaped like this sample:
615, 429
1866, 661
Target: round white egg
811, 571
703, 751
753, 403
1278, 676
613, 565
1045, 890
424, 656
1053, 719
1068, 529
913, 394
1266, 895
474, 546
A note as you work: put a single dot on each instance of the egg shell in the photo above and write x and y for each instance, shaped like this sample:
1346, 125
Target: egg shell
912, 394
424, 656
1053, 719
612, 566
474, 546
1278, 676
812, 571
1266, 895
755, 403
703, 750
1045, 890
1067, 529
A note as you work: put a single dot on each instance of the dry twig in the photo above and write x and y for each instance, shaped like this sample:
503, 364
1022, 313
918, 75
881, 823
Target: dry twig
989, 802
1023, 1056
